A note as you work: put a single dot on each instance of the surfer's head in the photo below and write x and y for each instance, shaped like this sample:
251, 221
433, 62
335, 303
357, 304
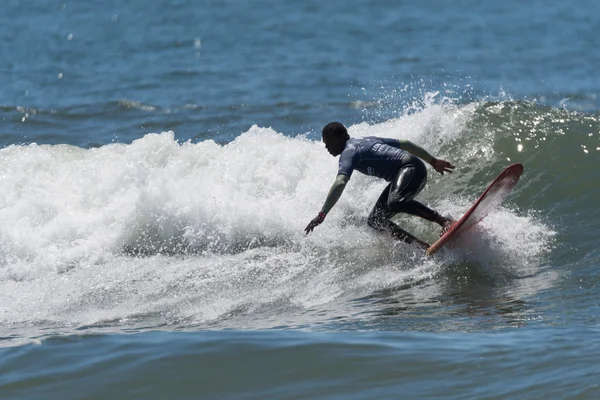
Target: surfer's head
335, 136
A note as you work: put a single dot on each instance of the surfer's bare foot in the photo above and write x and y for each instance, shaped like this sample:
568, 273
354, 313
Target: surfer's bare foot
448, 223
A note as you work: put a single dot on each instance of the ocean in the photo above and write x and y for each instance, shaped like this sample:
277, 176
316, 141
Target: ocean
159, 162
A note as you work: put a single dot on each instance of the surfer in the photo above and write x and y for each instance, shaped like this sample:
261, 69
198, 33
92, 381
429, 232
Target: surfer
396, 161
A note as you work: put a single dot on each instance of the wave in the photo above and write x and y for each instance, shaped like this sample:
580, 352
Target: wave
171, 197
209, 232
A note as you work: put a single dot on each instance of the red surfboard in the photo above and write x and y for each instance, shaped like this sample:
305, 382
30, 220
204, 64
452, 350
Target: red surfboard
493, 196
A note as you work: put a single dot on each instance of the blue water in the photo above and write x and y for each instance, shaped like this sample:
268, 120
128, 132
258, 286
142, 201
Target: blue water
160, 160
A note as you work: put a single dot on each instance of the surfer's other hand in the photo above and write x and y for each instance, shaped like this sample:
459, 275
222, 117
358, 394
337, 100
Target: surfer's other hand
442, 166
316, 221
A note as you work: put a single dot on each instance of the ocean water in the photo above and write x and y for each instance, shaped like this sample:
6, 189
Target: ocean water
160, 160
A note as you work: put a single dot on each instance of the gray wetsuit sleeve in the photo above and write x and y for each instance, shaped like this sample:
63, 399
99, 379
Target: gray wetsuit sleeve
347, 162
409, 146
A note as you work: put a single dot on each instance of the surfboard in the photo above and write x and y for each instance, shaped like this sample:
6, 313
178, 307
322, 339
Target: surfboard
493, 196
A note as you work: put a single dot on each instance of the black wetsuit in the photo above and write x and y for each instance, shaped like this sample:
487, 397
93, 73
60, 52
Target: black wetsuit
406, 173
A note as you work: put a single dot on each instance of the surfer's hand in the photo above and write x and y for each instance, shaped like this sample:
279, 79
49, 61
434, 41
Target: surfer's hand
441, 166
316, 221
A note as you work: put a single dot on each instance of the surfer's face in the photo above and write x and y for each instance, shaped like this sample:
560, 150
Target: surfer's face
334, 144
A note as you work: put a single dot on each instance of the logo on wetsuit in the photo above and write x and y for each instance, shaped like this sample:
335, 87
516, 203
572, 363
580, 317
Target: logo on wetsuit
375, 148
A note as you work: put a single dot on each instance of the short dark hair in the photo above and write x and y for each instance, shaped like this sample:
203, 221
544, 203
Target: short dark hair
336, 129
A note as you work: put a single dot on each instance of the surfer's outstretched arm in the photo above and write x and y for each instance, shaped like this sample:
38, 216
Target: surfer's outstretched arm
412, 148
334, 195
439, 165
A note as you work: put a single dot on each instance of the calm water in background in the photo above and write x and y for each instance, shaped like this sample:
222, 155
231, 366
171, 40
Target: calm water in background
160, 160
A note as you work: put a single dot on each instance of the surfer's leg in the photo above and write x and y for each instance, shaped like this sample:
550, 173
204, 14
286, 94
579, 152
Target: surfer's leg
379, 219
413, 207
381, 212
409, 181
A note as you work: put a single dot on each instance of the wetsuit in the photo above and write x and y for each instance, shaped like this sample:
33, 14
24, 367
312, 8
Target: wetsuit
396, 162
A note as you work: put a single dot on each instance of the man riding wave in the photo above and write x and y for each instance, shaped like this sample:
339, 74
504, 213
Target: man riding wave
397, 161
